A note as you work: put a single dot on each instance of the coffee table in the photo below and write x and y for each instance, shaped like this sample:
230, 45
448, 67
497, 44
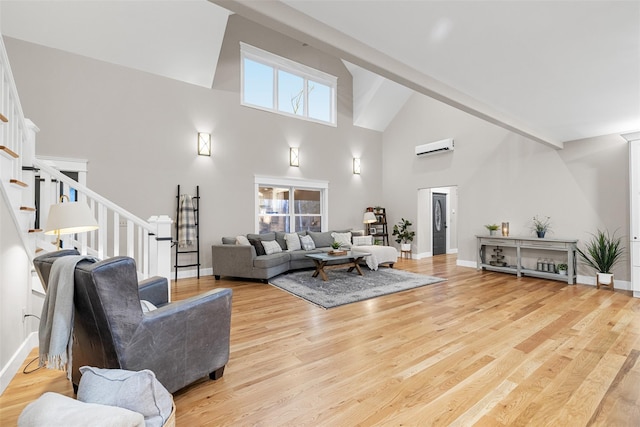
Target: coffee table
351, 260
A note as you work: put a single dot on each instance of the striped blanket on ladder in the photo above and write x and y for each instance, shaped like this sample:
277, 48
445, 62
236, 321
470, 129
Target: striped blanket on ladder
186, 222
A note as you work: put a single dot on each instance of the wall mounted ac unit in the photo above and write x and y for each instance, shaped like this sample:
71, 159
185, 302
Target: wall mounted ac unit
435, 147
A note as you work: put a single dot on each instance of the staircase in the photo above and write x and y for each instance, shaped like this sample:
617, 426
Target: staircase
120, 232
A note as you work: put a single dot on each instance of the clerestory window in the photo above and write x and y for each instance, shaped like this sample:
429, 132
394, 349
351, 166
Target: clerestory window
273, 83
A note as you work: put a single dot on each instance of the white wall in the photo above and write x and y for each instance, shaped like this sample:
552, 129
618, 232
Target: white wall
14, 296
502, 176
138, 132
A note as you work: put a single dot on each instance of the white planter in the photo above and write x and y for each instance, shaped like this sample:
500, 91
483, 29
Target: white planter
562, 272
405, 247
604, 278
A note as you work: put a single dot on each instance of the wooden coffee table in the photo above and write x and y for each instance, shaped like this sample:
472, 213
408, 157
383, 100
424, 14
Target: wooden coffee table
350, 260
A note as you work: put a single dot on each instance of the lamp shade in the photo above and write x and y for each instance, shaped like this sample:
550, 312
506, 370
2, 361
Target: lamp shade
369, 217
68, 218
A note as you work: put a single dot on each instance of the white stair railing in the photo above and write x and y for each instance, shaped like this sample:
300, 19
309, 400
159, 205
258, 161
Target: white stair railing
119, 233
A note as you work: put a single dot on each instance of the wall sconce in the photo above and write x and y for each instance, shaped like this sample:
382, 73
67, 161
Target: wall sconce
356, 166
204, 144
294, 157
69, 218
505, 229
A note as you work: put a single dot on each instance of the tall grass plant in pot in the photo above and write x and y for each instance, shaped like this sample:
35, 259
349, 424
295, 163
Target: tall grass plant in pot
602, 253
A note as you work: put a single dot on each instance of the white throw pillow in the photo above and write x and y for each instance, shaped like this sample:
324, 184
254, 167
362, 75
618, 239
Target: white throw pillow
343, 238
242, 241
137, 391
271, 247
362, 240
307, 243
147, 306
293, 241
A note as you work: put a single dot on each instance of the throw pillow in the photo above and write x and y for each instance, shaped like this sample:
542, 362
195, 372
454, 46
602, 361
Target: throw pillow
257, 244
307, 243
271, 247
280, 238
147, 306
137, 391
343, 238
242, 241
321, 239
53, 409
293, 241
362, 240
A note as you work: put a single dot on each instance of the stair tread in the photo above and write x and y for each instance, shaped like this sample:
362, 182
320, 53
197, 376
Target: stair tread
3, 118
27, 208
35, 230
18, 182
8, 151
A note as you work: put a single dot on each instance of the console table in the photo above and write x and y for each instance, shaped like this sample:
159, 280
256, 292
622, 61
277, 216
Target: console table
524, 244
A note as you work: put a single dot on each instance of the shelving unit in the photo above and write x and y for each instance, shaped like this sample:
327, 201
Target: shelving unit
381, 235
526, 245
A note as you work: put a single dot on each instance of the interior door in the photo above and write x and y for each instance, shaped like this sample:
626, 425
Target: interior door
439, 231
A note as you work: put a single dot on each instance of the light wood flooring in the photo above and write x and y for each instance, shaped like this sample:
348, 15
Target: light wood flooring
482, 348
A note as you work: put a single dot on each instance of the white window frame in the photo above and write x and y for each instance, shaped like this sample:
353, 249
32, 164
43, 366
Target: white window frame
279, 63
293, 183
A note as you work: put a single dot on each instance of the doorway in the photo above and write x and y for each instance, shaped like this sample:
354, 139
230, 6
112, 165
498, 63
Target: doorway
437, 221
439, 231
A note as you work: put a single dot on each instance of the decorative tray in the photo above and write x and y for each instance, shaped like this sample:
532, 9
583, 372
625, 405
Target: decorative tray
337, 252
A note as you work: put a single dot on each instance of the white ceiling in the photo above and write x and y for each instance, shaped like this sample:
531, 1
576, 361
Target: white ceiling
551, 70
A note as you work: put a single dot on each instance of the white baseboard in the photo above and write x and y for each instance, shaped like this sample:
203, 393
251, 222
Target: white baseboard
185, 274
463, 263
16, 361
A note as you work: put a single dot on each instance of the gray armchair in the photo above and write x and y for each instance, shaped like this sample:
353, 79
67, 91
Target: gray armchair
180, 342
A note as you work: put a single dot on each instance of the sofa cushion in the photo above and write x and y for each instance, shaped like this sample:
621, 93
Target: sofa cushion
257, 244
307, 243
321, 239
268, 261
271, 247
293, 241
263, 236
302, 254
281, 240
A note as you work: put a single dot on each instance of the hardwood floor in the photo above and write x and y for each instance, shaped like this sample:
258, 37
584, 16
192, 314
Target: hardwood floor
482, 348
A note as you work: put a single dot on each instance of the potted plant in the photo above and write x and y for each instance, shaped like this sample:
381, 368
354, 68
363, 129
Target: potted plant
541, 224
562, 268
601, 253
492, 229
335, 246
403, 235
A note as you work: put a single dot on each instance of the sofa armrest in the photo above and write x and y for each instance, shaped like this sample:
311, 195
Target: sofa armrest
196, 331
232, 260
155, 290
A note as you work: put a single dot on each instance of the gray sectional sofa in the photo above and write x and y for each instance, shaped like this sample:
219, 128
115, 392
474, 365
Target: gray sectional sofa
238, 260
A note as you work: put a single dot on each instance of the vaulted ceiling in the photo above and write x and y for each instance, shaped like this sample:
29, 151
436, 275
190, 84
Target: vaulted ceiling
554, 71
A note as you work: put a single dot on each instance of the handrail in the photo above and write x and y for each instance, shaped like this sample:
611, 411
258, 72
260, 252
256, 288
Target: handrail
42, 165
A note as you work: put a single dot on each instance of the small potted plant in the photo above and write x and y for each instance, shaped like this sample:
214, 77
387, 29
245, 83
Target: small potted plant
562, 269
601, 253
492, 229
541, 224
335, 246
403, 235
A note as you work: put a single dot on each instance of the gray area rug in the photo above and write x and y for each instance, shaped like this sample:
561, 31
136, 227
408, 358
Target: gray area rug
344, 288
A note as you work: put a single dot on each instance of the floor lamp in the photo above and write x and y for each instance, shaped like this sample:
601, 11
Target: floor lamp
69, 218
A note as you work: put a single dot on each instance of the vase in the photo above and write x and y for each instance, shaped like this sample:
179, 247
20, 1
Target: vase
492, 232
540, 234
604, 278
405, 247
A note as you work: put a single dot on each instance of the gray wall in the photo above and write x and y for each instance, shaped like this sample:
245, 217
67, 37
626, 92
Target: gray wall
502, 176
138, 132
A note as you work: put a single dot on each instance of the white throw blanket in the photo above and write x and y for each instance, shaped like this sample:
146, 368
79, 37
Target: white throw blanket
56, 321
186, 222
